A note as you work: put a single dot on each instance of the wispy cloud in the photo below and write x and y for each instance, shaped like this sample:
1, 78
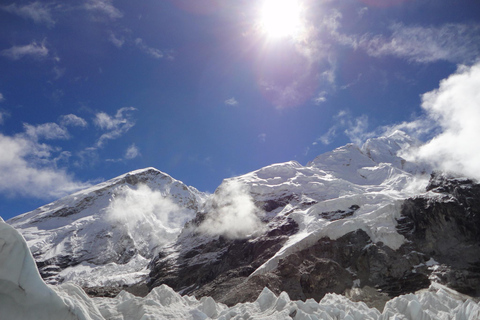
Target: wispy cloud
116, 41
363, 11
262, 137
104, 7
356, 129
52, 130
58, 72
114, 126
132, 152
327, 137
39, 12
33, 50
2, 117
455, 108
49, 131
231, 102
458, 43
320, 98
2, 98
73, 120
454, 42
155, 53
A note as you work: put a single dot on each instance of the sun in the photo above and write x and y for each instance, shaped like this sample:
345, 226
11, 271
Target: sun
281, 18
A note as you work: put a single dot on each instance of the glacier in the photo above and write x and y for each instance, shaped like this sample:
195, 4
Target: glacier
25, 296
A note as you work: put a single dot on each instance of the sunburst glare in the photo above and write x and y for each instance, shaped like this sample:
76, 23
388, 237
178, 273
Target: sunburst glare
281, 18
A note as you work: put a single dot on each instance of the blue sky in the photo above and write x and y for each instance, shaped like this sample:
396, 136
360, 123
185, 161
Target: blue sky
203, 91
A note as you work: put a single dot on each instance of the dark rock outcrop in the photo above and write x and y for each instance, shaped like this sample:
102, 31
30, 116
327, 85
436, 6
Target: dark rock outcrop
446, 228
336, 266
216, 262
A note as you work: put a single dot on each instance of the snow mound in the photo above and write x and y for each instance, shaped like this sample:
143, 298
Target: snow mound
24, 296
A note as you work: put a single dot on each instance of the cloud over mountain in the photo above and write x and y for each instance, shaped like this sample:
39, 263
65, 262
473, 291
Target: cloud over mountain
455, 108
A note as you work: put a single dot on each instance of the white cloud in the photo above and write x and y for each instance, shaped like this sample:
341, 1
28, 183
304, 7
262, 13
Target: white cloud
49, 131
1, 97
455, 107
232, 213
39, 12
58, 72
356, 129
327, 137
105, 7
132, 152
33, 49
117, 42
149, 215
231, 102
115, 126
72, 120
458, 43
155, 53
362, 12
27, 169
423, 128
320, 98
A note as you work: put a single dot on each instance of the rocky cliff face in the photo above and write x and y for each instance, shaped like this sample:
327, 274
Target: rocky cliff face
444, 225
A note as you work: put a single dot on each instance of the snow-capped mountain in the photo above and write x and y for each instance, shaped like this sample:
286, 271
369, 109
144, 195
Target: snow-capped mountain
350, 196
349, 219
107, 234
358, 221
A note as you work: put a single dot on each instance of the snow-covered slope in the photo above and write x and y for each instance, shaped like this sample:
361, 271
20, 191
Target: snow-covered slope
107, 234
341, 191
285, 209
23, 295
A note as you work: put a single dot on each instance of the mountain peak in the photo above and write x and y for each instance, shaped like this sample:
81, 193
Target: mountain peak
109, 230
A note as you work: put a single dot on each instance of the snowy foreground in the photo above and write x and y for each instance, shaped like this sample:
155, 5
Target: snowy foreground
24, 295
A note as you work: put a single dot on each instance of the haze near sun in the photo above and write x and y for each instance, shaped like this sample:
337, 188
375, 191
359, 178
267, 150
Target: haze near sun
281, 18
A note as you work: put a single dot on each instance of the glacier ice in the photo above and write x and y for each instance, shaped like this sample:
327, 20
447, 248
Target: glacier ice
24, 296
